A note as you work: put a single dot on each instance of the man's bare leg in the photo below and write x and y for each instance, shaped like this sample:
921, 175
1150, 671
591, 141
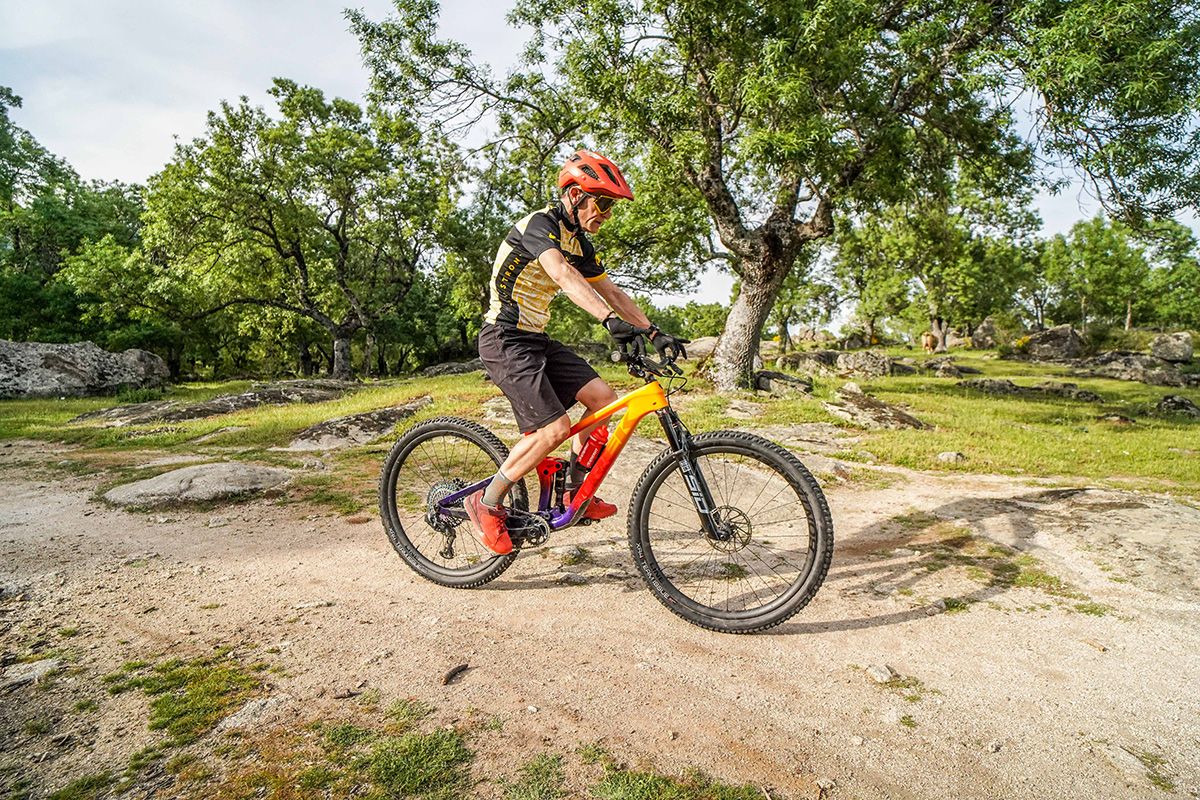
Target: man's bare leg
595, 395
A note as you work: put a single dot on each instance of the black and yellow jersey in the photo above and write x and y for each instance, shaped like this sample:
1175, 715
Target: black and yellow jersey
521, 289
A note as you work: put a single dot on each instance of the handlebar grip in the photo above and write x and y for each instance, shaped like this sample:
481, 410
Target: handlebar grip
617, 356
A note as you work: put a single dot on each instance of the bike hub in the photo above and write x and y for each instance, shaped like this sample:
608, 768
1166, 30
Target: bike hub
733, 529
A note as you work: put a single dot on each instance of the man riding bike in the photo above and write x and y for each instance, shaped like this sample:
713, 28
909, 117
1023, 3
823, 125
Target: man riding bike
544, 253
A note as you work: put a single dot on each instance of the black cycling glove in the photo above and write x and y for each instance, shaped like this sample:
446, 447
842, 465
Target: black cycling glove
620, 330
668, 346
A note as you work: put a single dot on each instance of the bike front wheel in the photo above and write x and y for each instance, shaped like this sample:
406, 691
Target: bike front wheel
431, 461
775, 543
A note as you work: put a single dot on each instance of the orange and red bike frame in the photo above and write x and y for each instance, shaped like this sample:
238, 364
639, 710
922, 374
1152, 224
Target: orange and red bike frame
637, 404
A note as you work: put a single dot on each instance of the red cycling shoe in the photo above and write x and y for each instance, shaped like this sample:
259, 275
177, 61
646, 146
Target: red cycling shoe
597, 509
491, 522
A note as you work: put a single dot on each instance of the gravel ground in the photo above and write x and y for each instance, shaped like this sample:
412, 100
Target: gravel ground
1012, 692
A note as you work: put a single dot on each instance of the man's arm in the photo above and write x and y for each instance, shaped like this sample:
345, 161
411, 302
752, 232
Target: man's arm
582, 293
620, 302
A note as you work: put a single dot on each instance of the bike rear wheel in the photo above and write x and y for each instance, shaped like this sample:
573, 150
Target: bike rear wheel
429, 462
777, 534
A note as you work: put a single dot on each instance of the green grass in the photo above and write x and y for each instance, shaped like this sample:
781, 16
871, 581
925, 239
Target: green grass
425, 765
188, 697
1043, 437
541, 778
86, 788
622, 784
406, 714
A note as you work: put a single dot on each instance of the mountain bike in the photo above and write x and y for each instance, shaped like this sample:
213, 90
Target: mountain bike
729, 530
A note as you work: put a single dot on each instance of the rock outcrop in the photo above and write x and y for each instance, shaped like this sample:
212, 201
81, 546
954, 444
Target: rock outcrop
860, 408
335, 434
1140, 367
1175, 404
1046, 388
36, 369
170, 411
453, 368
200, 483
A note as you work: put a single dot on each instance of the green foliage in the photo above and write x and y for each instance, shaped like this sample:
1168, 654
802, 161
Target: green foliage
328, 212
425, 765
541, 778
86, 788
188, 697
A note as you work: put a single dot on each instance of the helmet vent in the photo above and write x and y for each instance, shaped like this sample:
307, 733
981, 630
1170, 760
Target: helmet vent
610, 174
591, 173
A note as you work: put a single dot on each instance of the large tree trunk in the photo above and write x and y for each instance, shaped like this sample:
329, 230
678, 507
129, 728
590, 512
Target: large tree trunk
940, 328
369, 355
733, 358
343, 369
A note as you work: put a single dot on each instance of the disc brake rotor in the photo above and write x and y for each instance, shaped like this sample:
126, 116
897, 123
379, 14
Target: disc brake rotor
735, 527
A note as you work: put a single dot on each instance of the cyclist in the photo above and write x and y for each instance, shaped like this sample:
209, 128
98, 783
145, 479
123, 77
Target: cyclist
544, 253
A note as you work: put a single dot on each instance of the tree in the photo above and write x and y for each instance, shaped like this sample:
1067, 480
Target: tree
1174, 281
1101, 271
326, 212
780, 117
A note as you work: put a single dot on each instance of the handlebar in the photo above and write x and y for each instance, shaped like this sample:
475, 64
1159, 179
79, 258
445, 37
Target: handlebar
641, 365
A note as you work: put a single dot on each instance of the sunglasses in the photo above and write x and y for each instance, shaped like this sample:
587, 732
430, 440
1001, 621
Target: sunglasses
603, 204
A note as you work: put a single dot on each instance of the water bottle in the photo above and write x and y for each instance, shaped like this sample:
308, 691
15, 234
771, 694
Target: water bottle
592, 447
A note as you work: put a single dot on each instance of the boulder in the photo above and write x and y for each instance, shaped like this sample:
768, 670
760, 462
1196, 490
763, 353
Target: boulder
956, 339
702, 347
1068, 390
947, 369
812, 362
453, 368
864, 364
342, 432
781, 384
1175, 404
198, 484
1056, 344
854, 341
35, 369
1173, 347
985, 335
855, 406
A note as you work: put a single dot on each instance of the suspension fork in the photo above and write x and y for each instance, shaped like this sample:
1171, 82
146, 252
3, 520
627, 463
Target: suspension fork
680, 441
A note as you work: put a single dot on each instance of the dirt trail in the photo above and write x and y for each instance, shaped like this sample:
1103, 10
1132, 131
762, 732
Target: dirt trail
1021, 695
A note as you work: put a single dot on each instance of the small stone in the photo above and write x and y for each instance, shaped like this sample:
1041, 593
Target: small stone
826, 784
531, 709
614, 573
936, 607
571, 579
313, 604
856, 740
672, 735
218, 522
951, 457
905, 552
993, 747
882, 673
891, 716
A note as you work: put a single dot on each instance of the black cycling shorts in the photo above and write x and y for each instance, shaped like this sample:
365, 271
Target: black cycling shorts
538, 375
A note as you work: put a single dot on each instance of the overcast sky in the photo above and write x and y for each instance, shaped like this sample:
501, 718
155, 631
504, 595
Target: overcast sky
108, 84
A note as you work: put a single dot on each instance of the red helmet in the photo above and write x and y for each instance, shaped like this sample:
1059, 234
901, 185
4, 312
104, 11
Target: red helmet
595, 174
